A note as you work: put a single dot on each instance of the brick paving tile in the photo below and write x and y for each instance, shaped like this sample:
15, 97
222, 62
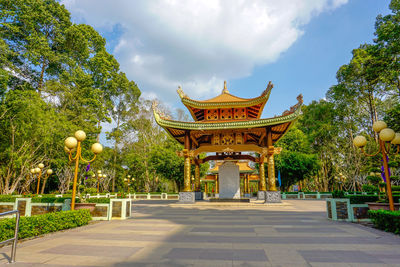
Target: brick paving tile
160, 233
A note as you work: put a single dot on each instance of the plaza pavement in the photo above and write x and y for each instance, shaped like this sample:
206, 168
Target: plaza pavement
295, 233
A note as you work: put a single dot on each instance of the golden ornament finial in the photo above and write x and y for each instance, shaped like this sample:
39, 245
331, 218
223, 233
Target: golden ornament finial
180, 92
225, 91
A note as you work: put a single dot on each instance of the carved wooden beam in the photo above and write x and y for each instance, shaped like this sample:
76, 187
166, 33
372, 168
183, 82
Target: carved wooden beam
231, 157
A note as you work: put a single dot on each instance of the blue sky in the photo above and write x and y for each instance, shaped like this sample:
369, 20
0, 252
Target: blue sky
309, 66
297, 44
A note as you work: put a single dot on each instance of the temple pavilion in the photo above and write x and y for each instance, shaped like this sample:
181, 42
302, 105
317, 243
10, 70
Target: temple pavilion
226, 127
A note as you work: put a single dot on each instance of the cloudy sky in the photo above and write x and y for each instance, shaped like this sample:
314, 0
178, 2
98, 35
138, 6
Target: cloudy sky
296, 44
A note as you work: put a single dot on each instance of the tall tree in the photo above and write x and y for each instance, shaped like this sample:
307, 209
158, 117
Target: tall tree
34, 30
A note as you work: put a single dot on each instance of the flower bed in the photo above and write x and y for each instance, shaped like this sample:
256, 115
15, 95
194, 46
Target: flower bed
43, 224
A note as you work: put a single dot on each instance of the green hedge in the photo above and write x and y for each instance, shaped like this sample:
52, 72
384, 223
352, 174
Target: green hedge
386, 220
395, 187
43, 224
49, 199
98, 200
7, 198
361, 199
45, 199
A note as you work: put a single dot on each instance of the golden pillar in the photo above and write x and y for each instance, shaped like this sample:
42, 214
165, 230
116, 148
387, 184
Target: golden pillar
216, 184
248, 184
186, 178
271, 173
244, 185
263, 185
271, 163
197, 186
206, 187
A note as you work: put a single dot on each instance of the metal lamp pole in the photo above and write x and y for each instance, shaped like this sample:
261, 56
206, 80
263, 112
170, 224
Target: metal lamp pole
39, 171
387, 137
99, 175
48, 173
75, 142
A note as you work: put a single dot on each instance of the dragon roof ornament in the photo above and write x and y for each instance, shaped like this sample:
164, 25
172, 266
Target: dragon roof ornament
181, 93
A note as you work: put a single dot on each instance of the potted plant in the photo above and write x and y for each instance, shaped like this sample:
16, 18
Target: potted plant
84, 203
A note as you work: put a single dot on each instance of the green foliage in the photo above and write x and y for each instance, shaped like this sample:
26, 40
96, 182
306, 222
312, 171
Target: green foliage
338, 194
386, 220
90, 191
167, 162
98, 200
370, 188
374, 179
362, 199
49, 199
63, 79
395, 187
394, 178
43, 224
7, 198
296, 166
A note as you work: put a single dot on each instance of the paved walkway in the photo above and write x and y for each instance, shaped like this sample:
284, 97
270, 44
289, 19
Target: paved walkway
295, 233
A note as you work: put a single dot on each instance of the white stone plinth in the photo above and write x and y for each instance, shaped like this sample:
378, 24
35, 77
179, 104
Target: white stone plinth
187, 197
273, 197
229, 180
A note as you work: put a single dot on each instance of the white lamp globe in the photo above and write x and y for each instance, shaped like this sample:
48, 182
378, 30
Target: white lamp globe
49, 171
97, 148
80, 135
379, 126
41, 165
71, 142
360, 141
396, 139
37, 170
387, 135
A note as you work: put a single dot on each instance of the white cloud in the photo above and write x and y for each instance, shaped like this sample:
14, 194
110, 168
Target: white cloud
198, 43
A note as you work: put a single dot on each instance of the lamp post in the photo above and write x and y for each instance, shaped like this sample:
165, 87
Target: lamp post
387, 137
48, 173
75, 142
38, 170
127, 180
99, 175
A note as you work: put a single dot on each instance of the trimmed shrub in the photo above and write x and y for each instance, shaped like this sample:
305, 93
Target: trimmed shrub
43, 224
49, 199
361, 199
338, 194
386, 220
98, 200
370, 188
395, 187
7, 198
90, 190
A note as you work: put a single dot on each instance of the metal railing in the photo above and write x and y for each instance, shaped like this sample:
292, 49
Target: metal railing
15, 239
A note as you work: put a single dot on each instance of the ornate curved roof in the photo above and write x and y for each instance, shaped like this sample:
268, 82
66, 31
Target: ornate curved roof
225, 99
167, 123
253, 131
